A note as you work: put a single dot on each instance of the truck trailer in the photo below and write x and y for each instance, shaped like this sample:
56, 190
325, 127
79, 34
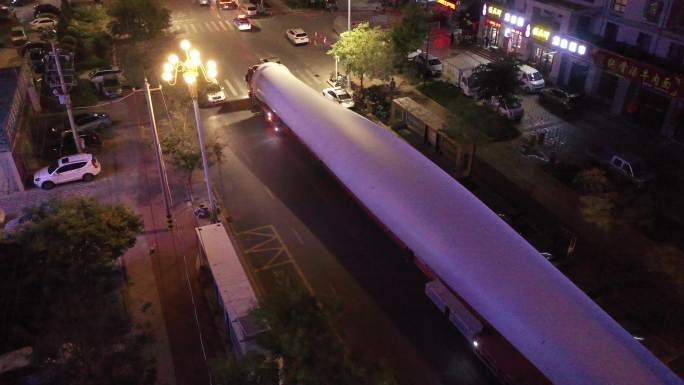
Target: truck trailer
517, 296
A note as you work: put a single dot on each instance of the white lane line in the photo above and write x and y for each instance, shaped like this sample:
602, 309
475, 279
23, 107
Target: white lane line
299, 238
215, 26
222, 25
194, 30
208, 26
306, 71
230, 86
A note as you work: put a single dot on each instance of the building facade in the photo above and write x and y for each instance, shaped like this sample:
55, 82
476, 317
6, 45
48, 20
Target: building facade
627, 53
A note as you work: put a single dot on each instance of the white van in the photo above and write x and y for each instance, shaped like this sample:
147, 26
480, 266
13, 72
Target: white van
458, 71
530, 79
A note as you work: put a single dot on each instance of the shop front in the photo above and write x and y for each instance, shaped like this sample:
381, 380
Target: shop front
652, 96
491, 26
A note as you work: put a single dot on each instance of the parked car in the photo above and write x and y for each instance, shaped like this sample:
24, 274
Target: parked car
508, 107
37, 58
14, 224
560, 97
67, 169
19, 3
97, 75
213, 94
429, 64
248, 9
110, 86
530, 79
227, 4
91, 120
297, 36
626, 166
60, 142
242, 23
339, 95
43, 23
204, 2
35, 44
45, 8
18, 36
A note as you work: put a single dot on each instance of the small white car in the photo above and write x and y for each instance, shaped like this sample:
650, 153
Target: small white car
248, 9
203, 2
67, 169
510, 108
97, 75
297, 36
42, 23
242, 23
340, 95
213, 94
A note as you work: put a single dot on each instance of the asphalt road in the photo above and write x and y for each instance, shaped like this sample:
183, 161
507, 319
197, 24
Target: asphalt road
273, 188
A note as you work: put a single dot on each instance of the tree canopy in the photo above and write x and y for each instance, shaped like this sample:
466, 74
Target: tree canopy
61, 294
498, 78
138, 19
410, 34
365, 51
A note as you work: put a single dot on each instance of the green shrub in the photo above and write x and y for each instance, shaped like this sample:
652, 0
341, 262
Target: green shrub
91, 62
84, 94
467, 114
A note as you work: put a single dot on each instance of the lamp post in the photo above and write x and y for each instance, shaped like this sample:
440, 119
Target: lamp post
190, 69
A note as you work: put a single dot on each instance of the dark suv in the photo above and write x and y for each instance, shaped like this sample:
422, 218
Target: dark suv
568, 101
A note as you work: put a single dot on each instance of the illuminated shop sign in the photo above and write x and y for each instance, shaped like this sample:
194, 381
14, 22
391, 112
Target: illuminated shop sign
447, 4
541, 33
514, 19
509, 31
493, 23
649, 76
491, 10
569, 45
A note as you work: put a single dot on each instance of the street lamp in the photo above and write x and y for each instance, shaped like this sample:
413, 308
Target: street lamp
190, 69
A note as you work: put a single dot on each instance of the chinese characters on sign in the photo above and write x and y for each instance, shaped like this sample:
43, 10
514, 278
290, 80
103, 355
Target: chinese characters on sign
447, 4
648, 76
541, 33
494, 11
493, 23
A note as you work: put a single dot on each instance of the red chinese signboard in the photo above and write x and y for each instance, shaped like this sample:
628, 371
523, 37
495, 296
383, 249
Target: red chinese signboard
646, 74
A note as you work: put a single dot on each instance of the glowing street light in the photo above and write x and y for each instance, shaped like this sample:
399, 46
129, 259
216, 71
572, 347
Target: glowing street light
191, 69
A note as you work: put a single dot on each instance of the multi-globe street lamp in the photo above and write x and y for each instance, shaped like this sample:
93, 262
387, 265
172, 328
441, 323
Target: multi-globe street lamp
191, 68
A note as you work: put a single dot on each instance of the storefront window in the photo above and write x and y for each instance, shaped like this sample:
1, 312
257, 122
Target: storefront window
543, 59
619, 5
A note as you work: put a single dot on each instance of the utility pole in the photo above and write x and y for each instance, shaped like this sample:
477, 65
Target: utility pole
67, 98
427, 48
200, 137
166, 193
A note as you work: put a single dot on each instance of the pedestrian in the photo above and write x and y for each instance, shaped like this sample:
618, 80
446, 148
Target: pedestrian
451, 44
486, 41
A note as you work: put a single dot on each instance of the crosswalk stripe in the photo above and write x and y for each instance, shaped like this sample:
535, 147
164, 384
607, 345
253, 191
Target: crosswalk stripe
222, 25
214, 26
194, 30
230, 86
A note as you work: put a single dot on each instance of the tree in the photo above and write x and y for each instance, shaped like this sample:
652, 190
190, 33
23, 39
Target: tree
593, 180
410, 34
498, 78
365, 51
252, 369
79, 234
138, 19
184, 151
64, 293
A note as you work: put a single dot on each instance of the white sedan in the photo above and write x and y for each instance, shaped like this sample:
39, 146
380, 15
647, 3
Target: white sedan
340, 95
42, 23
242, 23
297, 36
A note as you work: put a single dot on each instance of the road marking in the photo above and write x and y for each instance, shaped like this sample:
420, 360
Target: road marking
209, 26
222, 25
268, 191
194, 30
215, 25
314, 77
230, 86
299, 238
